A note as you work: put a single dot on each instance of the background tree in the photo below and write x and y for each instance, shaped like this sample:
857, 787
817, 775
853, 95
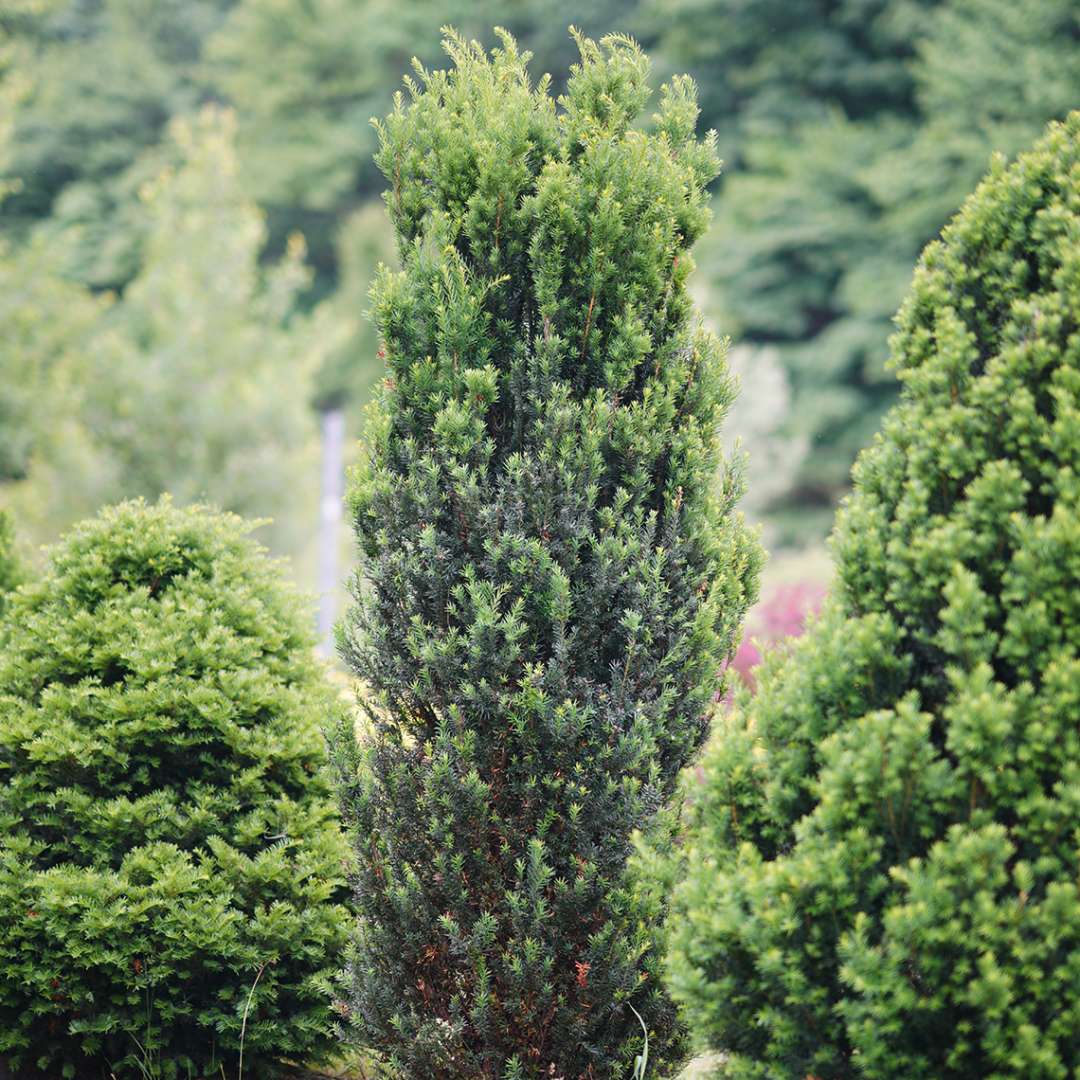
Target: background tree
769, 67
47, 321
194, 381
849, 129
830, 198
104, 79
168, 845
881, 872
10, 570
349, 370
553, 571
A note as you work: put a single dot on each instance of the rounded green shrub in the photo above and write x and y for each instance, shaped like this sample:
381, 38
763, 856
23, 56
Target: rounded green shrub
885, 845
170, 862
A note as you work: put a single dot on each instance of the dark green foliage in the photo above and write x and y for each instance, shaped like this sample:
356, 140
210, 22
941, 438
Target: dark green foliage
882, 868
553, 568
165, 835
766, 67
835, 192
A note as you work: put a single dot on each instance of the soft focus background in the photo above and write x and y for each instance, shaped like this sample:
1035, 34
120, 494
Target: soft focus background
189, 220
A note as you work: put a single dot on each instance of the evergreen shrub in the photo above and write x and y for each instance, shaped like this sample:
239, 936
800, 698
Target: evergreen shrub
553, 572
169, 855
882, 869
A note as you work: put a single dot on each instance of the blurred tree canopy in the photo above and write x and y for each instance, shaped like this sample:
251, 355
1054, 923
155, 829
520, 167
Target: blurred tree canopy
767, 67
103, 79
853, 130
194, 380
850, 130
45, 320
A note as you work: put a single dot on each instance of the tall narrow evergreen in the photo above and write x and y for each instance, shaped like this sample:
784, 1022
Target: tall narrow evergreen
553, 571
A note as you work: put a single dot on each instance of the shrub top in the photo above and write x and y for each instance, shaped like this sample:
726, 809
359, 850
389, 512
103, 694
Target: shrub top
157, 684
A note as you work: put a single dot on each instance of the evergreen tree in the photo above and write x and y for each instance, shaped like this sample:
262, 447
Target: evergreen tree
553, 569
882, 864
169, 858
833, 198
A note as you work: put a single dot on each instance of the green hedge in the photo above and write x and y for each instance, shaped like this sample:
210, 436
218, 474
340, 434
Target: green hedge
166, 840
883, 860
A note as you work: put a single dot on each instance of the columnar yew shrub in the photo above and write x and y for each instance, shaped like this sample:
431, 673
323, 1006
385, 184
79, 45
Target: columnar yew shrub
882, 871
553, 571
168, 847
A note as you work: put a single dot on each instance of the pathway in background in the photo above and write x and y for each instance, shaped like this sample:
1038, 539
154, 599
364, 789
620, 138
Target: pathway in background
703, 1068
333, 474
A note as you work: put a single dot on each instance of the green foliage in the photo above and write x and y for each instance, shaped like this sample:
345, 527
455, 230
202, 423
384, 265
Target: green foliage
196, 381
99, 82
853, 130
758, 428
165, 833
850, 129
103, 80
349, 372
306, 76
881, 871
10, 570
46, 323
553, 571
767, 67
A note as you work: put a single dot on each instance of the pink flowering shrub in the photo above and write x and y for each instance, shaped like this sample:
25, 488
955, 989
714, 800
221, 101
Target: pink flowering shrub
782, 613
